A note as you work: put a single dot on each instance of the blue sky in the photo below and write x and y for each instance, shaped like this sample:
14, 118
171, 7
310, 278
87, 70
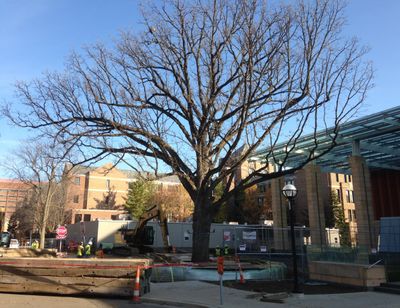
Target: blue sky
38, 35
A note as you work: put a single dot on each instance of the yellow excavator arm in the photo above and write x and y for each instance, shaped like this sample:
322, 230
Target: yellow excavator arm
136, 236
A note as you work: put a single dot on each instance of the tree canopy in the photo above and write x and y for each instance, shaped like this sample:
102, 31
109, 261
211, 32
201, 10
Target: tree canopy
40, 166
140, 197
206, 83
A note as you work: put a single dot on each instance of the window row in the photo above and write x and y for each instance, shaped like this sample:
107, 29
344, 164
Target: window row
349, 195
347, 178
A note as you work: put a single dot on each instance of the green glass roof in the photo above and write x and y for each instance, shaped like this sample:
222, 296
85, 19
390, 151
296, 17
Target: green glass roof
379, 143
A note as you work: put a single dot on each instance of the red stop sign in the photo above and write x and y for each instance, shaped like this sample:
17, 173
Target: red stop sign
61, 231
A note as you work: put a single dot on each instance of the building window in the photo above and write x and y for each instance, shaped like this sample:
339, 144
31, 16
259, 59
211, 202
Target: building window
337, 177
108, 184
349, 178
349, 216
260, 201
77, 180
354, 215
76, 198
114, 217
339, 195
78, 217
345, 178
261, 188
350, 196
86, 217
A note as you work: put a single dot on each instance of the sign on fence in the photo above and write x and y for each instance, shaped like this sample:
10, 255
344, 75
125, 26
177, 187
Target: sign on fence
227, 236
249, 235
61, 232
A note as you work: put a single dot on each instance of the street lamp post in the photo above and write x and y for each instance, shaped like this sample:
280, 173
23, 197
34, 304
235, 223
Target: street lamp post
290, 192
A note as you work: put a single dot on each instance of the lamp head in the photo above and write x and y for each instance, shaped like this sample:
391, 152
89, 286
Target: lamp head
289, 191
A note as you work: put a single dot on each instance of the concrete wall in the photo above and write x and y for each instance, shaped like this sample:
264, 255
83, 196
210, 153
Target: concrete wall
345, 273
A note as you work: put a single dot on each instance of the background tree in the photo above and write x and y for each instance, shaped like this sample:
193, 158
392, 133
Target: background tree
223, 211
38, 165
108, 202
340, 220
22, 220
140, 197
206, 78
251, 211
175, 202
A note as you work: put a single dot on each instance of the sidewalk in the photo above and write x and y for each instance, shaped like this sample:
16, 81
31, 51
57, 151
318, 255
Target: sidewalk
198, 294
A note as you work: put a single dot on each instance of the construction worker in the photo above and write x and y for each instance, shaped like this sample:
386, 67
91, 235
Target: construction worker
217, 251
79, 250
35, 244
226, 250
88, 248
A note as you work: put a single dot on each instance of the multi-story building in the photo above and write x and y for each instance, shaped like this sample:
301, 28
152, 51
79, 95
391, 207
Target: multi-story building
342, 186
11, 193
96, 193
101, 192
339, 184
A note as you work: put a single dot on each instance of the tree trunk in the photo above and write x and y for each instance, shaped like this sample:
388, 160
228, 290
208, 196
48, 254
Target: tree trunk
202, 218
42, 236
49, 195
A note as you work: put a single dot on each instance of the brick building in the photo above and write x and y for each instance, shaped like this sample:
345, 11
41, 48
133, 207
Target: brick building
100, 193
269, 192
11, 192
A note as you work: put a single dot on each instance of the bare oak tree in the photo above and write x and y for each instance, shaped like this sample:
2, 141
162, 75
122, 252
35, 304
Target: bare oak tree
207, 78
39, 167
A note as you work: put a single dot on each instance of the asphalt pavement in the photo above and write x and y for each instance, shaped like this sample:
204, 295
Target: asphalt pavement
8, 300
196, 294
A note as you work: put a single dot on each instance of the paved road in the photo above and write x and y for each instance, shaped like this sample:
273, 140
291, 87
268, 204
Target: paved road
40, 301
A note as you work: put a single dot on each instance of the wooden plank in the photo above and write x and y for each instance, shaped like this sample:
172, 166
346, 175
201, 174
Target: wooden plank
70, 282
67, 272
44, 288
69, 262
69, 276
27, 252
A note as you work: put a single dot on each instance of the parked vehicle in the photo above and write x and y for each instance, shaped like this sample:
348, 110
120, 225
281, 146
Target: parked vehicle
5, 238
14, 243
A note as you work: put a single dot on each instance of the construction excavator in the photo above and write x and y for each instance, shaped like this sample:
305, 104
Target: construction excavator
140, 239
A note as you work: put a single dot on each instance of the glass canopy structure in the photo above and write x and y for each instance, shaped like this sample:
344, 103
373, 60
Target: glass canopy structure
375, 137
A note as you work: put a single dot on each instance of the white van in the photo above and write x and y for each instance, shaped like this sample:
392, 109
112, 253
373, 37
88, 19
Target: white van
14, 243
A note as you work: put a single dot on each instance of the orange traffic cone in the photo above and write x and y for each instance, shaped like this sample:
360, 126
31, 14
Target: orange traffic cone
136, 289
240, 271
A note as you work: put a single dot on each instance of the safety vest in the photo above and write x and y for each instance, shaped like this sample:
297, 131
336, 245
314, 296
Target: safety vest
80, 250
217, 251
35, 245
87, 249
226, 250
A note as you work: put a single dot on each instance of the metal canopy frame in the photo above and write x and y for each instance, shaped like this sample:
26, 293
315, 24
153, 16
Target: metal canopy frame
375, 137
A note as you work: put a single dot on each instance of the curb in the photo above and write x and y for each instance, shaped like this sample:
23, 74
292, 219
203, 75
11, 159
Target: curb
172, 303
